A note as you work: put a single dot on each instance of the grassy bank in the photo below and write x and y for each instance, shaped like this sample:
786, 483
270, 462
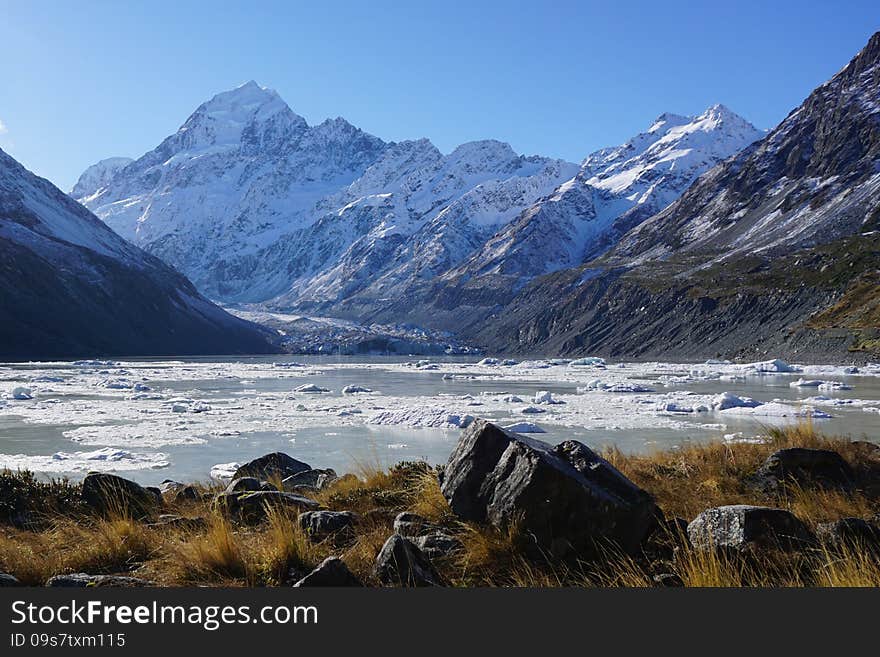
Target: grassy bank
67, 538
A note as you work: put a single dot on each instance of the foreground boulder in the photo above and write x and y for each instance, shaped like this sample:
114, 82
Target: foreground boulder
248, 484
401, 563
411, 524
742, 526
276, 464
83, 580
253, 507
806, 467
330, 572
109, 494
320, 525
315, 478
566, 498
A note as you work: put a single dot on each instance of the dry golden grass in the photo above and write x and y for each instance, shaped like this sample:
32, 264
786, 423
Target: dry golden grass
684, 482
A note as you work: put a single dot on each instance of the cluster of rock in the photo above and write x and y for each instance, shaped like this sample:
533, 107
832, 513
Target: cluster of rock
566, 501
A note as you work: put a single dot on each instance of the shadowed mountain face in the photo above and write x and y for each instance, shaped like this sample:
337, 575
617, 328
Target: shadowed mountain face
775, 250
71, 288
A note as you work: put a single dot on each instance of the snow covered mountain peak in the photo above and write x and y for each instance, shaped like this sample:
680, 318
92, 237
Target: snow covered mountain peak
238, 115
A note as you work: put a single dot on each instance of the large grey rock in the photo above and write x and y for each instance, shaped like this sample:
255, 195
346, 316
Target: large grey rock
566, 498
318, 479
109, 494
819, 467
320, 525
401, 563
330, 572
276, 464
7, 580
742, 526
437, 545
411, 524
83, 580
252, 507
243, 485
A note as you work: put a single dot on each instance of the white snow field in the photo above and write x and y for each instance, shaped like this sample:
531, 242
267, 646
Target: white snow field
195, 420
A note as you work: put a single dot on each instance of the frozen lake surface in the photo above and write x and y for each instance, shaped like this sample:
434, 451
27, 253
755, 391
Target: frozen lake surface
189, 420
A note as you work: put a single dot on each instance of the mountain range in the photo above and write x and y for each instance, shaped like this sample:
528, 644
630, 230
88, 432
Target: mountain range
702, 236
256, 206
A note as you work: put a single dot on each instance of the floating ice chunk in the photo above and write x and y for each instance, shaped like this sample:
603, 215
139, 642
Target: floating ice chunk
778, 409
775, 365
353, 390
545, 397
95, 363
806, 383
397, 445
179, 408
491, 362
831, 386
673, 407
728, 400
422, 417
601, 386
288, 365
47, 379
114, 384
590, 361
532, 410
715, 361
524, 427
21, 393
310, 388
224, 470
852, 369
509, 362
104, 459
512, 399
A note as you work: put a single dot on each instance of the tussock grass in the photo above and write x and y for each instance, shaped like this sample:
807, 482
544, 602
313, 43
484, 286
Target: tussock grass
684, 482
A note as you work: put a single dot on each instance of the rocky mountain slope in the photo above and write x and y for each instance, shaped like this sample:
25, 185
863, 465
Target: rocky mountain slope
71, 287
614, 189
775, 250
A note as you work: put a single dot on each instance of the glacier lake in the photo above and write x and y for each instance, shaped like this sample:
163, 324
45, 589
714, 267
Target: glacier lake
191, 420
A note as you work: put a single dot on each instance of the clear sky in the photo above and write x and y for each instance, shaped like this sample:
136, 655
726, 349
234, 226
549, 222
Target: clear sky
80, 81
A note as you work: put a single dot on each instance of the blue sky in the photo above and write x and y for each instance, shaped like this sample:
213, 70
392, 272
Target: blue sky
81, 81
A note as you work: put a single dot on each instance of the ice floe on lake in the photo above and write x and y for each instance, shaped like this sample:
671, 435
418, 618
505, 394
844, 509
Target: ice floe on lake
177, 405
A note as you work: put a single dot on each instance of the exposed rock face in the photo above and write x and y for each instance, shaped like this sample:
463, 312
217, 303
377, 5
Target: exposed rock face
566, 497
252, 507
71, 288
83, 580
330, 572
742, 526
277, 464
320, 525
109, 494
315, 478
401, 563
805, 467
